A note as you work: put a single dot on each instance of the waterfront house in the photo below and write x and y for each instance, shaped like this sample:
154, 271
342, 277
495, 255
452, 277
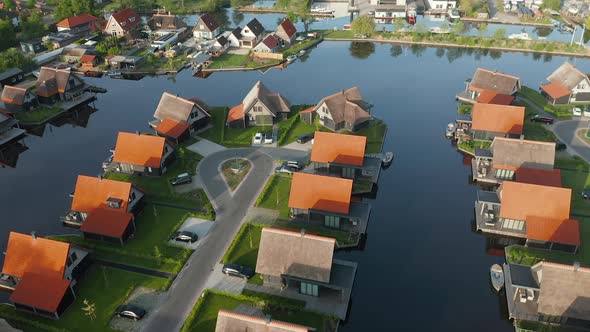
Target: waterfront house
567, 84
164, 23
60, 39
9, 129
122, 22
549, 293
73, 55
206, 27
11, 76
58, 85
17, 99
177, 118
487, 80
326, 201
490, 97
32, 46
344, 110
260, 107
302, 263
538, 213
441, 5
516, 159
104, 209
142, 154
79, 24
488, 121
251, 34
89, 61
41, 273
269, 44
386, 12
123, 62
286, 32
343, 156
251, 319
219, 47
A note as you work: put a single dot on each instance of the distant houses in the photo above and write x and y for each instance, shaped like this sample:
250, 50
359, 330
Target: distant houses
17, 99
11, 76
567, 84
206, 27
286, 32
489, 84
161, 23
260, 107
55, 85
177, 118
142, 154
80, 24
122, 22
251, 34
344, 110
269, 44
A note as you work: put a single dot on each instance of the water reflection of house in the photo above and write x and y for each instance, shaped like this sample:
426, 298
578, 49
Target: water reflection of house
142, 154
488, 121
79, 117
567, 84
249, 318
549, 293
177, 118
301, 265
9, 153
260, 107
488, 80
9, 128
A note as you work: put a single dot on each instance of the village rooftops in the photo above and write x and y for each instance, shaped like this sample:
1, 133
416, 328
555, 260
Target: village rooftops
165, 22
229, 321
323, 193
296, 254
270, 41
10, 72
538, 176
255, 27
288, 27
556, 90
509, 153
494, 81
274, 101
346, 105
92, 193
177, 108
520, 201
209, 21
553, 230
568, 76
338, 148
107, 222
76, 21
498, 118
127, 18
14, 95
491, 97
138, 149
52, 81
40, 291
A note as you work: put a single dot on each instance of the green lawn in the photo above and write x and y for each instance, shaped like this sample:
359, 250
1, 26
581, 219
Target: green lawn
340, 34
218, 117
576, 175
238, 137
234, 179
533, 130
464, 109
300, 46
204, 315
275, 194
298, 128
361, 186
229, 60
341, 237
106, 288
583, 135
470, 146
561, 112
375, 134
244, 248
39, 114
153, 230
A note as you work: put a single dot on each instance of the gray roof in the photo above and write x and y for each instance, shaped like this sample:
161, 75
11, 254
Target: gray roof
222, 40
522, 276
209, 22
523, 153
484, 153
273, 101
464, 117
568, 75
346, 105
177, 108
487, 196
232, 321
10, 72
286, 252
165, 21
495, 81
237, 32
255, 26
565, 290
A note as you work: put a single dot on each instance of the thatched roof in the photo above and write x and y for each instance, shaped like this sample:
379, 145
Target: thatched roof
346, 105
273, 101
228, 321
177, 108
485, 79
567, 75
516, 153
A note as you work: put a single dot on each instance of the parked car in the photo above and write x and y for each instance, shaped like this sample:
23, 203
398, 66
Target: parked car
182, 178
286, 169
302, 139
236, 270
130, 311
185, 236
560, 146
542, 119
586, 194
293, 164
268, 139
258, 138
586, 112
577, 111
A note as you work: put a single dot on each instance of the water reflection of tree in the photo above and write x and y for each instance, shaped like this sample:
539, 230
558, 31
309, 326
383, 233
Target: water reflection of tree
440, 52
547, 58
221, 17
454, 54
396, 51
237, 17
543, 31
495, 55
417, 50
361, 50
537, 56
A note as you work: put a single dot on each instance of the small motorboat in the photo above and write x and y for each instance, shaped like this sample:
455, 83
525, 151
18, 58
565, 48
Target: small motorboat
520, 36
497, 277
291, 58
450, 131
387, 159
302, 52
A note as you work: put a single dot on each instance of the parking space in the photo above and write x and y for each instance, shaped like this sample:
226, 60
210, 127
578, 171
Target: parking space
145, 298
194, 225
205, 147
225, 283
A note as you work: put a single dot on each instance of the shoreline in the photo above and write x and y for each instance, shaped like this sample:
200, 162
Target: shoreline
490, 21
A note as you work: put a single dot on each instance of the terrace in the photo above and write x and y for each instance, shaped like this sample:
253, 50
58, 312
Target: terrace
487, 210
521, 289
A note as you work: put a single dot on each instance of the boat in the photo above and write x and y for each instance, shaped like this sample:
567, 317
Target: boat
520, 36
92, 73
115, 74
387, 159
497, 277
450, 132
291, 58
302, 52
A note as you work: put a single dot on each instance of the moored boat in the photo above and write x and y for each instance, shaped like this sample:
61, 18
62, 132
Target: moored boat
387, 159
497, 277
450, 131
291, 58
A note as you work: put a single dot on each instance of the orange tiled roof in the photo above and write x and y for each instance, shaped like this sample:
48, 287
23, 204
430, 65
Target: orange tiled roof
236, 113
557, 231
308, 110
338, 148
522, 201
491, 97
87, 58
107, 221
92, 193
25, 254
137, 149
498, 118
74, 21
171, 128
539, 176
326, 193
556, 90
40, 291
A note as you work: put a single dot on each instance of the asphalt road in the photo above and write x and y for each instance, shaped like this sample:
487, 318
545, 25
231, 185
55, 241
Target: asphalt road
566, 132
230, 210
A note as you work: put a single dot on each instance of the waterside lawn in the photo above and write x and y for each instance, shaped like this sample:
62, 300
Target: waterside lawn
229, 60
230, 137
575, 174
38, 115
106, 288
559, 111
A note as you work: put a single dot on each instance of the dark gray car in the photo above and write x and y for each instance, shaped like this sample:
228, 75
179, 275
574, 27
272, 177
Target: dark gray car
236, 270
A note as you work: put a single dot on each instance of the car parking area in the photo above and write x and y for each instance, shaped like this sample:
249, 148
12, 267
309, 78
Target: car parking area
225, 283
145, 298
195, 225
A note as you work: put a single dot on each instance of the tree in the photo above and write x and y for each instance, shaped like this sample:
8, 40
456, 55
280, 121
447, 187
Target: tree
14, 58
237, 17
420, 28
31, 4
483, 28
440, 52
8, 35
363, 25
9, 5
32, 26
398, 24
552, 4
417, 50
499, 34
67, 8
457, 27
361, 50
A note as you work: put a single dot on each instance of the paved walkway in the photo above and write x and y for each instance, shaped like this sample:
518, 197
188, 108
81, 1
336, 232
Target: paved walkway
153, 273
300, 147
198, 226
205, 147
566, 132
225, 283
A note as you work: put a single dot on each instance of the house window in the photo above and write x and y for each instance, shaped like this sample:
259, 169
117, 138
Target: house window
581, 86
257, 108
517, 225
193, 115
325, 110
246, 31
74, 257
132, 19
309, 289
332, 221
201, 27
504, 174
132, 197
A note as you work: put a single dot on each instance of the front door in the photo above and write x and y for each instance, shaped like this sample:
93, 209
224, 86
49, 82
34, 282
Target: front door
332, 221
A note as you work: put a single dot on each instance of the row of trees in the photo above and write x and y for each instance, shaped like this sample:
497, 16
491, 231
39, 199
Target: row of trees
13, 58
67, 8
31, 26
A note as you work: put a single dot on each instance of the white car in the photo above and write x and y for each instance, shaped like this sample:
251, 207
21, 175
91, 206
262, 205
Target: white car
586, 113
268, 139
258, 138
577, 111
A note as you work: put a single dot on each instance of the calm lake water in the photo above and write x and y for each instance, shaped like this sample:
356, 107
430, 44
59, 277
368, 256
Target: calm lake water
423, 268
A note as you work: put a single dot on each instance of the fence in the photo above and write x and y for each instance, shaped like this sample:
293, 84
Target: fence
265, 55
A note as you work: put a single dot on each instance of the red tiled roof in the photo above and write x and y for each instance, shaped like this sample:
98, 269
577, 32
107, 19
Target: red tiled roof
137, 149
236, 113
308, 110
338, 148
171, 128
491, 97
326, 193
25, 254
127, 18
270, 41
539, 176
92, 193
40, 291
87, 58
556, 231
107, 221
288, 27
521, 201
556, 90
498, 118
74, 21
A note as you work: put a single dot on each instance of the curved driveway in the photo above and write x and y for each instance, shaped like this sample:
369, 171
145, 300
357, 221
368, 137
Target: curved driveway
230, 210
566, 132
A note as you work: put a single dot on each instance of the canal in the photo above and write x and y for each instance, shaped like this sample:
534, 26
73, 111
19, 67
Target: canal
422, 268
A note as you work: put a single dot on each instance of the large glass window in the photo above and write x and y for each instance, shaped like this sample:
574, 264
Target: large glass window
332, 221
309, 289
504, 174
512, 224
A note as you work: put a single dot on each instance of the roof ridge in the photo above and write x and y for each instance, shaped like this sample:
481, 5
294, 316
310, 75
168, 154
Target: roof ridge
298, 234
176, 96
497, 72
524, 184
254, 319
507, 139
564, 266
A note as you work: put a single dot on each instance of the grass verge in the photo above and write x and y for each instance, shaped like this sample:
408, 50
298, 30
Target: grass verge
232, 178
275, 194
227, 60
561, 112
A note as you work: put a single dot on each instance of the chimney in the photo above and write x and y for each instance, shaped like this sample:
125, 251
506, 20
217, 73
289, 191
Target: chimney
137, 132
302, 232
576, 266
34, 235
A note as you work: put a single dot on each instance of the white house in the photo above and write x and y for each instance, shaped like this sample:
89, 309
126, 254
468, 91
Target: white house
234, 37
390, 11
567, 84
206, 27
442, 4
268, 45
251, 34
